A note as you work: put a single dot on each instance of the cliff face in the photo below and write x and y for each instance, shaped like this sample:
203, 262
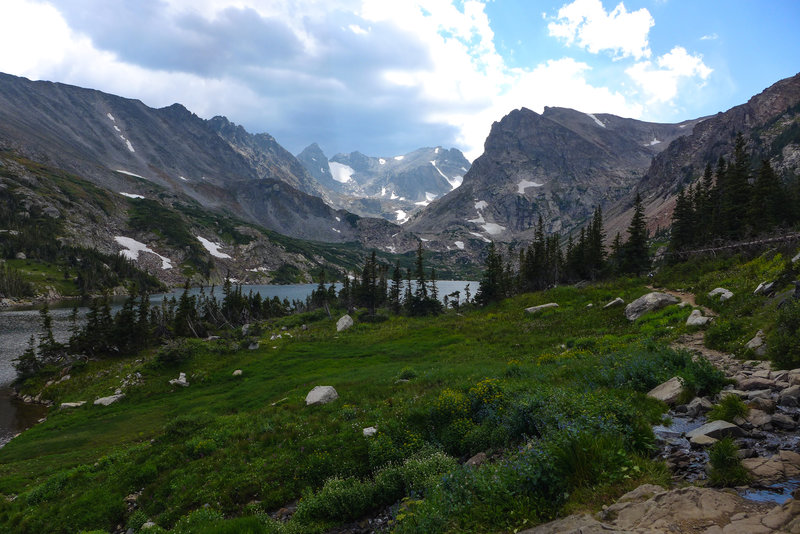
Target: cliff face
559, 165
108, 140
770, 123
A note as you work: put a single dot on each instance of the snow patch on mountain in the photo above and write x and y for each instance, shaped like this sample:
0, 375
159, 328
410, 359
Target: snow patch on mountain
382, 161
653, 142
481, 205
130, 195
454, 182
493, 228
132, 248
399, 158
524, 184
598, 121
340, 172
110, 116
476, 234
131, 174
459, 244
402, 216
212, 248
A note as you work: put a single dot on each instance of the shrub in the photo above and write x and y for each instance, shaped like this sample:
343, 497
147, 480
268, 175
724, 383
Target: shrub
407, 373
782, 343
726, 467
723, 334
341, 499
174, 352
730, 407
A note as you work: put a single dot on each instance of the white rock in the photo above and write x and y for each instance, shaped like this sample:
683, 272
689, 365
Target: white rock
321, 395
180, 381
796, 258
724, 294
105, 401
344, 322
73, 404
616, 302
764, 288
533, 310
370, 431
757, 344
647, 303
237, 372
697, 319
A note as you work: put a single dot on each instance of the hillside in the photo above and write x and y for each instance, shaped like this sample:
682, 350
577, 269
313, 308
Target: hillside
555, 401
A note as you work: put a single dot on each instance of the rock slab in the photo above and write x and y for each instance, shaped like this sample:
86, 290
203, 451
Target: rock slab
697, 319
533, 310
667, 392
111, 399
647, 303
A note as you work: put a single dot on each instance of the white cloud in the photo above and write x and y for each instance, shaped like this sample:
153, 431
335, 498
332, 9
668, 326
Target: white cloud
587, 24
710, 37
370, 75
660, 81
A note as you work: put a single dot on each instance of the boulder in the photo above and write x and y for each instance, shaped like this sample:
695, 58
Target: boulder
73, 404
476, 460
369, 431
765, 288
180, 381
253, 346
765, 405
344, 322
750, 384
111, 399
647, 303
717, 430
237, 372
721, 292
796, 258
667, 392
790, 396
533, 310
758, 418
697, 319
757, 344
698, 406
702, 441
783, 421
321, 395
616, 302
21, 256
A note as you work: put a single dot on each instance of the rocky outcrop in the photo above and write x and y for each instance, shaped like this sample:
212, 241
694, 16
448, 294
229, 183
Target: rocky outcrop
721, 293
668, 392
696, 318
647, 303
616, 302
111, 399
180, 381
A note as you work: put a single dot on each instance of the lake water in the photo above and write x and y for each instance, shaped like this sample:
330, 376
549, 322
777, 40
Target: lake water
17, 326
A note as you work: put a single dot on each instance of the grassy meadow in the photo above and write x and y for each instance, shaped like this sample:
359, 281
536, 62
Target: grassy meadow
555, 400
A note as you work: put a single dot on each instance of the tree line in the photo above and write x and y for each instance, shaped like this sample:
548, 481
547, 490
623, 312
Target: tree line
734, 201
544, 263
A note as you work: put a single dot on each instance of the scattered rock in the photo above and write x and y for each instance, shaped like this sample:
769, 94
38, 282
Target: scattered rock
765, 405
21, 256
698, 406
321, 395
790, 396
148, 525
253, 346
647, 303
765, 288
796, 258
180, 381
237, 372
717, 430
77, 404
344, 322
476, 460
616, 302
785, 464
783, 421
105, 401
533, 310
702, 441
667, 392
757, 344
750, 384
369, 431
697, 319
724, 294
758, 418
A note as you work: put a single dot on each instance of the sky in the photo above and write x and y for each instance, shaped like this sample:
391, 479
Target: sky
386, 77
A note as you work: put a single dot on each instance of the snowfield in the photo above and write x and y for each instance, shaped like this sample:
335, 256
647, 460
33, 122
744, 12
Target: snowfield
340, 172
212, 248
132, 248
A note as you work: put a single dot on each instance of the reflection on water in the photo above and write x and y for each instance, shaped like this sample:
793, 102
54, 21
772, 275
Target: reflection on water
16, 416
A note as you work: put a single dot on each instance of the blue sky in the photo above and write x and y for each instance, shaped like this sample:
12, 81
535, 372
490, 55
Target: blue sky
386, 77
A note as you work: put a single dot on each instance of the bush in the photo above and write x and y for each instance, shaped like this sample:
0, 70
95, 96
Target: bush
730, 407
782, 343
174, 352
723, 334
726, 467
407, 373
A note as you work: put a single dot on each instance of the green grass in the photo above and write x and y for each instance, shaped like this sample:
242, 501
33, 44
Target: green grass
483, 380
43, 275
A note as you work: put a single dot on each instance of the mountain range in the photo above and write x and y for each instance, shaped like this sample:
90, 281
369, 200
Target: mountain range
558, 165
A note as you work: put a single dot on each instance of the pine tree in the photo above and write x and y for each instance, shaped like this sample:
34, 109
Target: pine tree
419, 272
636, 256
768, 200
491, 285
394, 291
